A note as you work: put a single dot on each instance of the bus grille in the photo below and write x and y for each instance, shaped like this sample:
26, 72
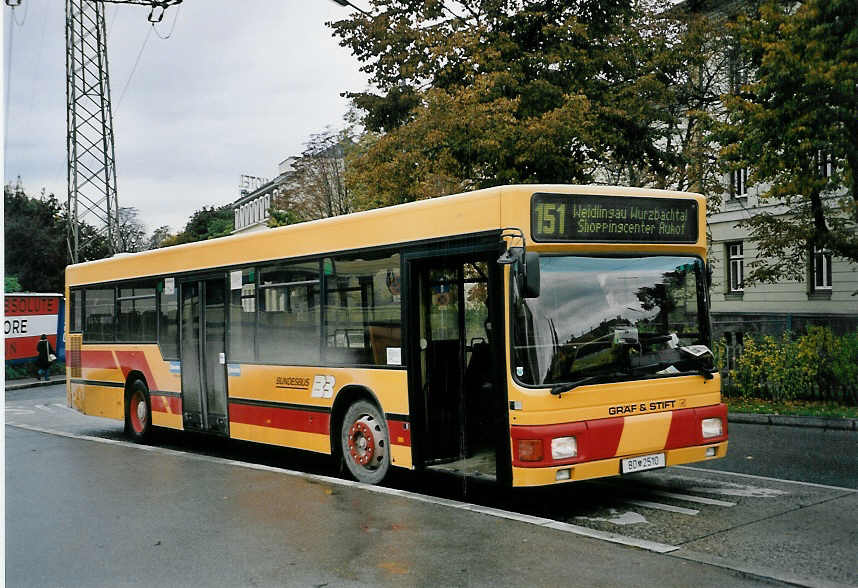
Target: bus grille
74, 355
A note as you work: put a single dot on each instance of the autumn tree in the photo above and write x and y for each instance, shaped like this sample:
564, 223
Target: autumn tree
794, 125
475, 94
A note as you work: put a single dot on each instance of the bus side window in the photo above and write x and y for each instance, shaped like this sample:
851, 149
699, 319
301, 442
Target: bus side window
289, 314
99, 315
168, 319
363, 310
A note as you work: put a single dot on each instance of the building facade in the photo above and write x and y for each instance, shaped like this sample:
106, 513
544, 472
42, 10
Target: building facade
253, 207
829, 293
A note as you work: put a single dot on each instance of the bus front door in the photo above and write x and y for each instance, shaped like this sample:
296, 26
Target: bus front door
203, 347
455, 364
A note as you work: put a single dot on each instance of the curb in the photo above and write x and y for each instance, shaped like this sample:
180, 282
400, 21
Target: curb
793, 421
33, 384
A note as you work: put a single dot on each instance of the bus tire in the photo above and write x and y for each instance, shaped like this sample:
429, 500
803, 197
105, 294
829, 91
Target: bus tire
138, 412
365, 442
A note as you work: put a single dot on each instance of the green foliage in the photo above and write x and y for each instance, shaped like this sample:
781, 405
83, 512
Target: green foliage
11, 284
814, 366
281, 218
35, 241
206, 223
486, 93
799, 108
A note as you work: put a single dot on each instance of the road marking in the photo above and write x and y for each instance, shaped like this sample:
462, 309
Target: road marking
43, 407
766, 478
64, 407
690, 498
665, 507
629, 517
742, 490
494, 512
19, 411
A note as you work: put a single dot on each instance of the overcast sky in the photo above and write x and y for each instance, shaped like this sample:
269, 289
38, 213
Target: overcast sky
239, 86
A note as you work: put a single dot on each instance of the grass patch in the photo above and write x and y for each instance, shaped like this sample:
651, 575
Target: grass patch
815, 408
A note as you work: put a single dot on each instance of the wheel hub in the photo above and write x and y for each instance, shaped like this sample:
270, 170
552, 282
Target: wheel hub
365, 447
138, 412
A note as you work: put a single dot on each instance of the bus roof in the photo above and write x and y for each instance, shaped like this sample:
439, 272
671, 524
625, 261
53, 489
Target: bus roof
469, 213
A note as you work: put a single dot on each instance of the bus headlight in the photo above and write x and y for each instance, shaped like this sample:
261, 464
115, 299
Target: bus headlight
711, 428
564, 447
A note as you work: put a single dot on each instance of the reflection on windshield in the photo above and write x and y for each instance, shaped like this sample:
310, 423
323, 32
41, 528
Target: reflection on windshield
617, 317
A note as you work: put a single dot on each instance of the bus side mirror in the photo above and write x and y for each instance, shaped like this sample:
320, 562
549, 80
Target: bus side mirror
531, 275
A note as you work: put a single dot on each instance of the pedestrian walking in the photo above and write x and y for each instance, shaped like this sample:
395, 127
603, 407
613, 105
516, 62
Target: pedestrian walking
46, 357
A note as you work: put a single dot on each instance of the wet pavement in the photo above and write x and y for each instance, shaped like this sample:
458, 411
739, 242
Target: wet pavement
228, 514
81, 513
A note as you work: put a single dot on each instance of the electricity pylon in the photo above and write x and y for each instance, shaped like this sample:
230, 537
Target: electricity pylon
92, 194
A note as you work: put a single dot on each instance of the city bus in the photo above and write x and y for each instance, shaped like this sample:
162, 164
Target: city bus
529, 335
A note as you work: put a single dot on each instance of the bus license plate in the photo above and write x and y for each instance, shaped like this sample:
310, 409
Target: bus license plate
641, 463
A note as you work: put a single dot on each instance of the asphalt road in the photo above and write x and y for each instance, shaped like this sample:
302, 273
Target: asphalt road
822, 456
86, 508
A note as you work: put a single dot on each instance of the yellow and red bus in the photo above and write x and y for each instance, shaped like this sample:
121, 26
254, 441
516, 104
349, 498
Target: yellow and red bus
529, 334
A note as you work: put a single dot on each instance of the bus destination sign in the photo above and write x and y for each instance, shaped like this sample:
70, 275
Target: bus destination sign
611, 219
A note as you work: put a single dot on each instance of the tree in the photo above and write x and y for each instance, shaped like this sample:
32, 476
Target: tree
35, 241
206, 223
318, 185
132, 233
158, 236
11, 284
474, 94
795, 126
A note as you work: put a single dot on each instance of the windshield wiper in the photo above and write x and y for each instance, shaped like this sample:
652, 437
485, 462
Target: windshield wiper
600, 378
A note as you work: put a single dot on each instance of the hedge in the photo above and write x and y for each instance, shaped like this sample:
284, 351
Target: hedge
816, 366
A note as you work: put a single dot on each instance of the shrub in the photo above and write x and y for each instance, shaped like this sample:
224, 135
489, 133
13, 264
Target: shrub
816, 366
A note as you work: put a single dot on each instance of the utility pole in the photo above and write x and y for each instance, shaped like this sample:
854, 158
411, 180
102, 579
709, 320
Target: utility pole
91, 171
92, 193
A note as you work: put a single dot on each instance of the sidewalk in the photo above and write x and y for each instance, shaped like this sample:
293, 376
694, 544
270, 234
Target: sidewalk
22, 383
733, 417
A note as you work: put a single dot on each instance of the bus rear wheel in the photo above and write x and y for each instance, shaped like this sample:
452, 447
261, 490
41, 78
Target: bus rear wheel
365, 443
138, 412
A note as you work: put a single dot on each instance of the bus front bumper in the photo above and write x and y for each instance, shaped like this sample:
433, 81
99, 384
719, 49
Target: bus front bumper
610, 467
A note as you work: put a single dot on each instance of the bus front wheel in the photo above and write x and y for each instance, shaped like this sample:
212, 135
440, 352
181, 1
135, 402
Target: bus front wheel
138, 412
365, 443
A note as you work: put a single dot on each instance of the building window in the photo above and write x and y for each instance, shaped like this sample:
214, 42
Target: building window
739, 183
735, 267
821, 269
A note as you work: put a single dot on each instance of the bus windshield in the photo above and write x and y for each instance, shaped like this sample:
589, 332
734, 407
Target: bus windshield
601, 319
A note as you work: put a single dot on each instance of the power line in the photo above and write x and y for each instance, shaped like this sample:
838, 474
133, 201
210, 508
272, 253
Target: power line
134, 68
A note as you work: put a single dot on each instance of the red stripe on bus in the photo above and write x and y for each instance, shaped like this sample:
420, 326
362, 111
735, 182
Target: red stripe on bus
135, 360
603, 436
400, 433
305, 421
597, 439
685, 426
168, 404
97, 359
